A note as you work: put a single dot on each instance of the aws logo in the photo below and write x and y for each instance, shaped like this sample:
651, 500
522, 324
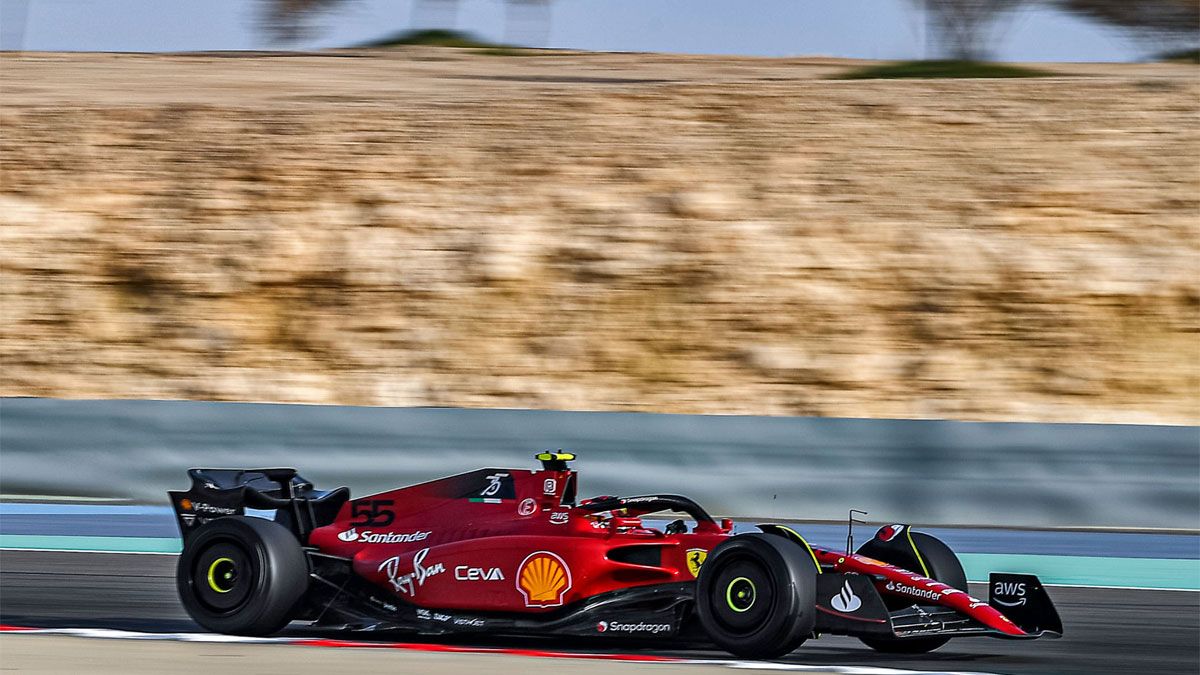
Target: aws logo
544, 579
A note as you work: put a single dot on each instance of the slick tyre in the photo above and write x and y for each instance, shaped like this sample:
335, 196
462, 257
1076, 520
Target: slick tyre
242, 576
922, 554
756, 596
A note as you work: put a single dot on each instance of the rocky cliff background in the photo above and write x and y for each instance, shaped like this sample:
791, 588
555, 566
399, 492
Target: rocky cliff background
682, 234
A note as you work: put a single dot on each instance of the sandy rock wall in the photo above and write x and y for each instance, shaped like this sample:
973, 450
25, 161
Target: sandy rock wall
764, 243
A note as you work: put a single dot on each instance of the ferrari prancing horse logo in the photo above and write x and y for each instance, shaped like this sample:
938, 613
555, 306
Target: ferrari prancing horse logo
695, 558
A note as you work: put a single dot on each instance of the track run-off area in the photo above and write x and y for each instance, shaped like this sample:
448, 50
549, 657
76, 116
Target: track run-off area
132, 596
91, 579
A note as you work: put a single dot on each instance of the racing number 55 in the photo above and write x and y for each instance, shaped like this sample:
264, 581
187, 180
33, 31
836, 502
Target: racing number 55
374, 512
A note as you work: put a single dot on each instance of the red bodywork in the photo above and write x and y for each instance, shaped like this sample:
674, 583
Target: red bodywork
477, 533
510, 540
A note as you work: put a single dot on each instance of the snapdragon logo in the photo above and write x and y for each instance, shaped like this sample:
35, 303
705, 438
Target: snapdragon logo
639, 627
369, 537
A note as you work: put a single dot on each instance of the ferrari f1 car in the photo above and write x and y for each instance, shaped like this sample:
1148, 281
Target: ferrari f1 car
513, 552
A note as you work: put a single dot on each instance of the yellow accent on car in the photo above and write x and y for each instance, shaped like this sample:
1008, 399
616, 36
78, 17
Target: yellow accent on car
212, 571
913, 544
550, 456
807, 547
795, 536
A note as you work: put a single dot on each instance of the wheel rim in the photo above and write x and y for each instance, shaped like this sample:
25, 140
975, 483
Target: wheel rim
739, 594
222, 575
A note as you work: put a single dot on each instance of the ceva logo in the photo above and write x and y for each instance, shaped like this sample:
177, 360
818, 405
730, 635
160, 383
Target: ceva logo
465, 573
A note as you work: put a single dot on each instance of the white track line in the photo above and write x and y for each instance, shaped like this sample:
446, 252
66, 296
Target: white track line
1120, 588
113, 634
840, 670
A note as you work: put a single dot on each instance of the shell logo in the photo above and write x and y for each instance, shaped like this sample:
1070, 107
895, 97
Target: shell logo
543, 578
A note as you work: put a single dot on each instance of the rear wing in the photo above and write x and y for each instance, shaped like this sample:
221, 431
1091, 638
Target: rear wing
288, 498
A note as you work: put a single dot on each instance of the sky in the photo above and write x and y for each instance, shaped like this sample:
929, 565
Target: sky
883, 29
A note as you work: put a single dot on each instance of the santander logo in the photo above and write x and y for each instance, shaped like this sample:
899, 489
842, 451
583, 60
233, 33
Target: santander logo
846, 600
369, 537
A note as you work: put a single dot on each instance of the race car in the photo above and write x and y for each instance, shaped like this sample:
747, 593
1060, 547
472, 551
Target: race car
513, 552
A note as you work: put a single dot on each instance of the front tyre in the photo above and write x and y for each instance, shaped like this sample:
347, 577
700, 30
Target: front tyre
241, 576
756, 596
922, 554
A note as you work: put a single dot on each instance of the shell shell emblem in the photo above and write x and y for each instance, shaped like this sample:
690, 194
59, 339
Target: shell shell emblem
544, 579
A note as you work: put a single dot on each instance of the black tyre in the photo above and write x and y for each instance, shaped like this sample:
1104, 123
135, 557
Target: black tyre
922, 554
242, 576
756, 596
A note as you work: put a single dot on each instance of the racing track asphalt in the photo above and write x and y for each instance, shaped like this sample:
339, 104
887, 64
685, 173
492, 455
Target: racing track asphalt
1107, 630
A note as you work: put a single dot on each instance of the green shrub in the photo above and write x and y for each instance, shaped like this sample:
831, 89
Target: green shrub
1182, 56
938, 69
439, 37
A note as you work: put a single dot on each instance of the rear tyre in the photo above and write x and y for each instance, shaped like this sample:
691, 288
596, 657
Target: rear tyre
935, 560
242, 576
756, 596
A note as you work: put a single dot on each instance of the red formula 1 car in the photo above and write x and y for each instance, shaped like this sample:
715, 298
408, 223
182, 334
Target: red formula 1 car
511, 551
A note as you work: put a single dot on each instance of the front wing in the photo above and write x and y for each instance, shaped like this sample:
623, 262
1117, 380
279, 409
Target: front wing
850, 604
